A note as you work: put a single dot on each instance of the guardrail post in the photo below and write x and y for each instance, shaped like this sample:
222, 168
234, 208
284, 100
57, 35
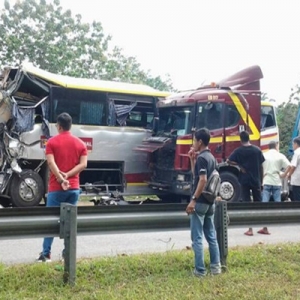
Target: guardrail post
68, 231
221, 224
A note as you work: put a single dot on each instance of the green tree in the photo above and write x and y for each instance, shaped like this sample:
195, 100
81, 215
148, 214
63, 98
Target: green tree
286, 118
52, 39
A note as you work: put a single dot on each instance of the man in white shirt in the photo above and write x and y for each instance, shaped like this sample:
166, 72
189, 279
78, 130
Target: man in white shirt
293, 170
274, 163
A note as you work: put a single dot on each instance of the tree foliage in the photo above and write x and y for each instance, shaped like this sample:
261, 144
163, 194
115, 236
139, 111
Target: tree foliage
52, 39
286, 118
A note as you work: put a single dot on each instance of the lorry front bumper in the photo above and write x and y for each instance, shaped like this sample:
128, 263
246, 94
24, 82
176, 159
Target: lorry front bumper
177, 187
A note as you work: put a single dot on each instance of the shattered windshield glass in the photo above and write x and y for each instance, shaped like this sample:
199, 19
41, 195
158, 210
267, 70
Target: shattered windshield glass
175, 120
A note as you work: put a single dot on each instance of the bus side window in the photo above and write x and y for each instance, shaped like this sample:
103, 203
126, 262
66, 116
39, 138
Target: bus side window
63, 105
267, 117
91, 113
270, 121
137, 119
144, 119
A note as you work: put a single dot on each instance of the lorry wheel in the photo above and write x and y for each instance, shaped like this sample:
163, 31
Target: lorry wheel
26, 189
230, 187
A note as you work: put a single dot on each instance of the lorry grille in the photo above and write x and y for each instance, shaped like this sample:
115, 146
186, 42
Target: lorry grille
164, 175
165, 158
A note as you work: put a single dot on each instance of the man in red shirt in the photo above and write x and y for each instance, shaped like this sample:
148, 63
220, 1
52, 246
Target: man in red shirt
66, 157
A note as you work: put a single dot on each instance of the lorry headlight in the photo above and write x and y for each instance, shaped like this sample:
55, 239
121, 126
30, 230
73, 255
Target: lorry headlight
180, 177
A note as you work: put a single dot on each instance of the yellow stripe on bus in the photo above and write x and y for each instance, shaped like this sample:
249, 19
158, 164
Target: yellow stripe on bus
239, 106
137, 184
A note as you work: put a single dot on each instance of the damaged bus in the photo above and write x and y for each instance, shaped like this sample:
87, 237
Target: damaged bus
112, 118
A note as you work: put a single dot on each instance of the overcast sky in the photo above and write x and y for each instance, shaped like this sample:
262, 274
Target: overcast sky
205, 40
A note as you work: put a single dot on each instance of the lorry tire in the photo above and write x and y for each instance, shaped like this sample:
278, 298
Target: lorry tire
230, 190
26, 189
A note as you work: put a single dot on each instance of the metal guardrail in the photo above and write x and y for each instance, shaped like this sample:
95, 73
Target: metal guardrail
45, 221
68, 221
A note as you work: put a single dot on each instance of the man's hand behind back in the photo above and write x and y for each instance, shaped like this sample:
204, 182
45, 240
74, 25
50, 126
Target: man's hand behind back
65, 185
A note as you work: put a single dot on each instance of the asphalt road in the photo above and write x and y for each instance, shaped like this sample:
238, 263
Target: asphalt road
26, 250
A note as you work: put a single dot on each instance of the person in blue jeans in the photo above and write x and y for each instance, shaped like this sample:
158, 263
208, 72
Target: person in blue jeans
275, 162
201, 212
55, 199
66, 157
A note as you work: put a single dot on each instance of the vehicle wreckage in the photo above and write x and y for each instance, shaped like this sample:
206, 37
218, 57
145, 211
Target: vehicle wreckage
112, 118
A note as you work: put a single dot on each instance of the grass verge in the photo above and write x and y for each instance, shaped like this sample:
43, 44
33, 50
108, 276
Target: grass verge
258, 272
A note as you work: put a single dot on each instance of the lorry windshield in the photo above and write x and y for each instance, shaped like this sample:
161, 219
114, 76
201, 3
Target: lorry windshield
175, 119
209, 115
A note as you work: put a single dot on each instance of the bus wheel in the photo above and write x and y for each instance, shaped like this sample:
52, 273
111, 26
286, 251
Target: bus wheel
230, 188
26, 189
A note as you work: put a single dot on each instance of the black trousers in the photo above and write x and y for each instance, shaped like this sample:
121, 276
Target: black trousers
256, 193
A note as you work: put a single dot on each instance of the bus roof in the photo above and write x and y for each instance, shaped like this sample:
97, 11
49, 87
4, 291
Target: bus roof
267, 103
93, 84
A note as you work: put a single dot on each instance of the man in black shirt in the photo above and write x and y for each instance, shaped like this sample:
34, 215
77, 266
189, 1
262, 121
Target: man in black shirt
250, 159
202, 212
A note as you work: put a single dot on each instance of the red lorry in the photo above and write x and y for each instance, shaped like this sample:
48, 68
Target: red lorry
225, 108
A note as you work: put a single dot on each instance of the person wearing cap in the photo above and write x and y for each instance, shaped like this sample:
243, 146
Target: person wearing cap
275, 162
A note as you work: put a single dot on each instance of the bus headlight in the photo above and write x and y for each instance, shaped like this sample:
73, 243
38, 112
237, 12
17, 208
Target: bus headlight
180, 177
14, 148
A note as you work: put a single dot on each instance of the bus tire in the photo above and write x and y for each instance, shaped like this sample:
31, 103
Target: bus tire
230, 190
26, 189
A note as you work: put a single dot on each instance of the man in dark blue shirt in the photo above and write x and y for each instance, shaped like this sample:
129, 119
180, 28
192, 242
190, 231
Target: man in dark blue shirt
250, 159
201, 212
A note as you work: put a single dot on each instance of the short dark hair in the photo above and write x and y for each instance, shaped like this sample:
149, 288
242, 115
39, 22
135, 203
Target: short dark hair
244, 136
273, 145
203, 135
296, 140
65, 121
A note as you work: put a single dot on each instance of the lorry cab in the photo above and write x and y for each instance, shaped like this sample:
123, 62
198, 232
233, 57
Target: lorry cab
226, 108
